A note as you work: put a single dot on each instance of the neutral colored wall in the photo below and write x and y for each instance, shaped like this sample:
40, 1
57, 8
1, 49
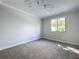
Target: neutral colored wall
0, 1
17, 27
20, 4
72, 29
16, 3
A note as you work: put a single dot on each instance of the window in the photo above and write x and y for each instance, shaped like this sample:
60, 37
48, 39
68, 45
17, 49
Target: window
58, 24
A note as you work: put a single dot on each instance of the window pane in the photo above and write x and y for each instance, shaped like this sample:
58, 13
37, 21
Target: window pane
54, 25
61, 24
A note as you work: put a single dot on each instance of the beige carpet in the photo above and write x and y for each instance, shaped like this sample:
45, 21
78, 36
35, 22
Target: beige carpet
40, 49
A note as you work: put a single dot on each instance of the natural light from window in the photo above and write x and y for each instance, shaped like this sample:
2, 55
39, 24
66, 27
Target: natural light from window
58, 24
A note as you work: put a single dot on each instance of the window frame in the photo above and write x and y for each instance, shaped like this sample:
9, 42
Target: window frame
57, 24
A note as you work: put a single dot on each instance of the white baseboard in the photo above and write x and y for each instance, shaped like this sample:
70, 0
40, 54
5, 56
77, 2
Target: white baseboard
63, 41
10, 46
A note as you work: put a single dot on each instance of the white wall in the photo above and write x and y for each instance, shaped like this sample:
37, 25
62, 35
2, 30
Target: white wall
20, 4
0, 1
72, 29
17, 27
16, 3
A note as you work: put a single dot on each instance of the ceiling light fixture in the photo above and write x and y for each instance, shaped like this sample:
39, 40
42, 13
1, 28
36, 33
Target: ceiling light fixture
39, 3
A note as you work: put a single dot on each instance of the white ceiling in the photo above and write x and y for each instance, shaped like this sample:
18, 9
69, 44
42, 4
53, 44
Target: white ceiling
59, 6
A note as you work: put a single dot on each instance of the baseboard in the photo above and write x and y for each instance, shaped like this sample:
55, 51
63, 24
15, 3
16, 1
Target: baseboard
17, 44
58, 41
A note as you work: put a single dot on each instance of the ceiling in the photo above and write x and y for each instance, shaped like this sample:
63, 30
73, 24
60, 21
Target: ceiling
56, 6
